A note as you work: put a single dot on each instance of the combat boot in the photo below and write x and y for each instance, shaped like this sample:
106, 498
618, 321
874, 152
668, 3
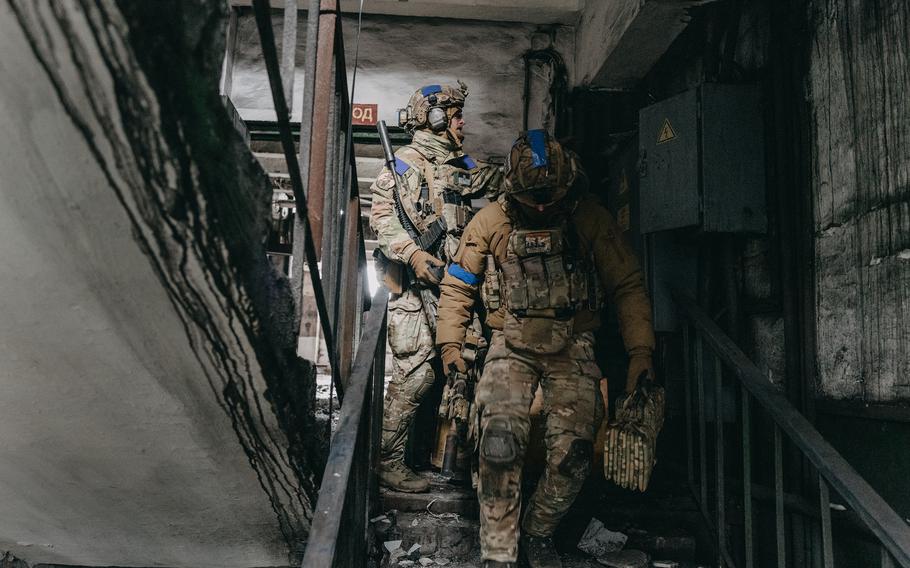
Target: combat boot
539, 552
399, 477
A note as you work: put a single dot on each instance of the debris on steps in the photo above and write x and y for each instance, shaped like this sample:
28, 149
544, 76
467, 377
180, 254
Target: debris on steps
437, 528
440, 528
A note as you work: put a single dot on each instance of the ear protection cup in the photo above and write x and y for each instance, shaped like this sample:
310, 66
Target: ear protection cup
437, 119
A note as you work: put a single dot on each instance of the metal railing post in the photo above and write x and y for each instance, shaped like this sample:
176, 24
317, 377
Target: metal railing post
702, 434
301, 220
824, 507
882, 520
720, 524
289, 52
779, 519
376, 412
747, 478
348, 447
687, 366
322, 96
262, 11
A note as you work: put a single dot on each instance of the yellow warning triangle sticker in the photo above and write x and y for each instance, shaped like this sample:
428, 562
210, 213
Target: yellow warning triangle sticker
666, 132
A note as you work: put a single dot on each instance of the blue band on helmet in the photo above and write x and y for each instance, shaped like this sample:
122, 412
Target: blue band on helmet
468, 278
464, 162
538, 141
401, 166
430, 89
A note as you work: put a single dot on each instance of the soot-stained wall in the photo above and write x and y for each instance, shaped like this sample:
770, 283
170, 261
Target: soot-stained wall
857, 90
153, 410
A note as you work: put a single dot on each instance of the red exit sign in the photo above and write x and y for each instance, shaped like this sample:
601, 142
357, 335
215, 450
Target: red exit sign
365, 114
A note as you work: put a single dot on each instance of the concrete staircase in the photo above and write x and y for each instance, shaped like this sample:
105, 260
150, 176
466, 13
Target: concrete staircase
441, 528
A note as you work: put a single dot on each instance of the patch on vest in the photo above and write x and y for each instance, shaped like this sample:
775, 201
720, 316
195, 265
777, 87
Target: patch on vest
538, 242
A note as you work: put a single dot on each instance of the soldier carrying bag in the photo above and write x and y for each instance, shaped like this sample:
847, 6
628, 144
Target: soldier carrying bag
630, 445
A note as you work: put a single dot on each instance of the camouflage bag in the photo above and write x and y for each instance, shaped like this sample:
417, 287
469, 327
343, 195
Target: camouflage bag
631, 440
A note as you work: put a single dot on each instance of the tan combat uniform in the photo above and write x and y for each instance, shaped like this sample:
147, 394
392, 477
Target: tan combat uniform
432, 169
555, 351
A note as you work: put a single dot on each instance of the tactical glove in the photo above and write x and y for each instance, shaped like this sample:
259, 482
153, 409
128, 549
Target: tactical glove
427, 268
452, 359
640, 366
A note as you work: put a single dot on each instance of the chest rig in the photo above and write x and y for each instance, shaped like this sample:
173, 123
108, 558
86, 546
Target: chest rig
542, 283
439, 201
543, 276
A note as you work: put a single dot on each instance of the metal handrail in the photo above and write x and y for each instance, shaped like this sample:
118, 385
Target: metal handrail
348, 489
884, 523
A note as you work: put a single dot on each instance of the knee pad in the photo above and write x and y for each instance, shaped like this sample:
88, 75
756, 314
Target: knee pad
498, 445
578, 459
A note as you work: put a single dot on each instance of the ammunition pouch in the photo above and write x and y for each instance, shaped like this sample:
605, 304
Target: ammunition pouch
543, 285
456, 212
491, 288
541, 275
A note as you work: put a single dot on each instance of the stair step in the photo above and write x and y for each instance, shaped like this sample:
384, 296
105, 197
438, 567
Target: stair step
443, 497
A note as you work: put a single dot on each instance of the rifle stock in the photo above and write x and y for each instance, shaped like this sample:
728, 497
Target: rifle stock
429, 300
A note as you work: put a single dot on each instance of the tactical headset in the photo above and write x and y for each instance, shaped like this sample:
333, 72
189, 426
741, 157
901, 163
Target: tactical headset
436, 116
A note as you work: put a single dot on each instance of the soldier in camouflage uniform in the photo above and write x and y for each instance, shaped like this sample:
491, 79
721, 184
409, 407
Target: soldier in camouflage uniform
418, 227
555, 253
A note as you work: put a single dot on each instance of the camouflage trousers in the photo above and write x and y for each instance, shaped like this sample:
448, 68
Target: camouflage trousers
412, 374
573, 406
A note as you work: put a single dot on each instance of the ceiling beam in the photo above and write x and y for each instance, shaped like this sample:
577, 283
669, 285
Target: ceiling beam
618, 42
528, 11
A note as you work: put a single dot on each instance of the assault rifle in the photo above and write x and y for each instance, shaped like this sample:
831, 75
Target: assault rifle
457, 400
426, 241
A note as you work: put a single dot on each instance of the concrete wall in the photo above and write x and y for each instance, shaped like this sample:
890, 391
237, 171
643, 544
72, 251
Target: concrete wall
618, 41
599, 31
861, 182
135, 350
398, 55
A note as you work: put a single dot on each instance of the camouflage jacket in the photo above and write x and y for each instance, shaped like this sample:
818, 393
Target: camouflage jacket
439, 180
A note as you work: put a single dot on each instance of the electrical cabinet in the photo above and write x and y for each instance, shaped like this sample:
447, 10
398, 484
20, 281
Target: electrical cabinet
702, 163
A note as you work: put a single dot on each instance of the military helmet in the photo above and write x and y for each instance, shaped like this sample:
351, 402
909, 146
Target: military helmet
429, 105
539, 171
